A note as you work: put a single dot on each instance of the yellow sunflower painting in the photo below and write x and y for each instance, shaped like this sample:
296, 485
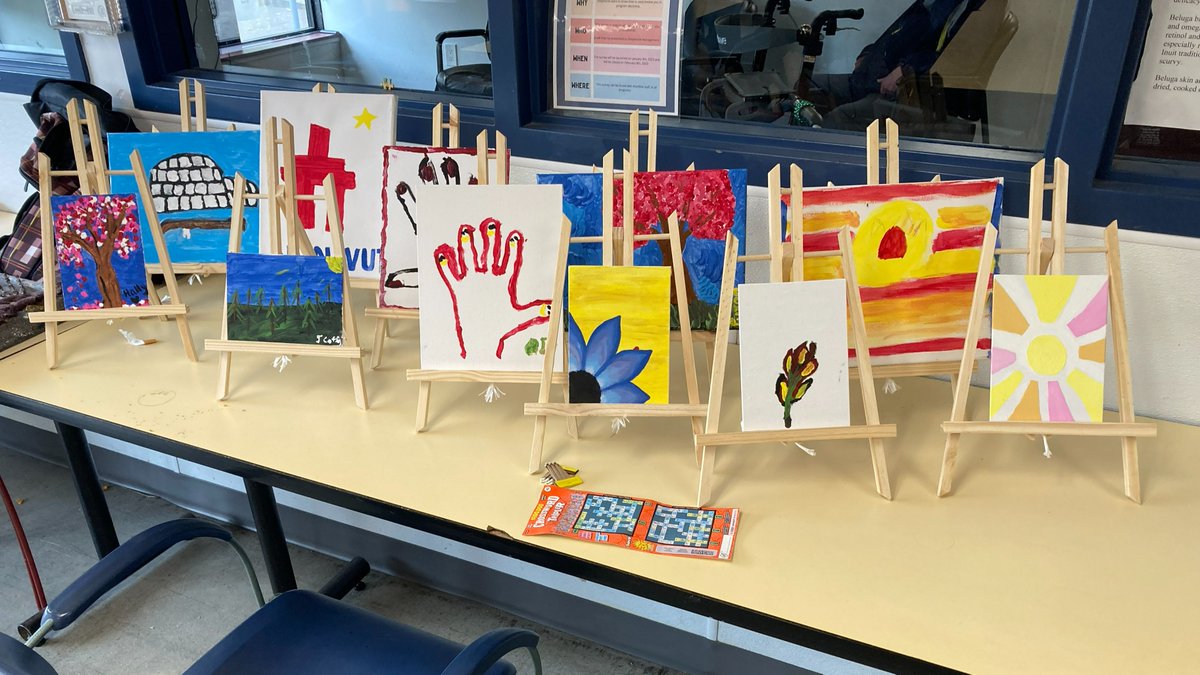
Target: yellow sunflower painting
1048, 335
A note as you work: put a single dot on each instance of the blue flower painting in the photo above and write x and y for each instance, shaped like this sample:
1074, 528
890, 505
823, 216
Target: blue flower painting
598, 371
191, 183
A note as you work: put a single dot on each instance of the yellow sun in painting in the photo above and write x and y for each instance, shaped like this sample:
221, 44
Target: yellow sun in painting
1048, 337
892, 242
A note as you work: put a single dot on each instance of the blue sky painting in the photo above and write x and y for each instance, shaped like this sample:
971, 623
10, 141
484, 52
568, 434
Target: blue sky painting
191, 177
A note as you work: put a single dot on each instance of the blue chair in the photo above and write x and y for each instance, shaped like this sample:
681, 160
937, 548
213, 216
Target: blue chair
297, 632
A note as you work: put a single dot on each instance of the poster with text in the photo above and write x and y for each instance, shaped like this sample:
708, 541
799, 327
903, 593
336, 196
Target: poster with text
1166, 92
617, 55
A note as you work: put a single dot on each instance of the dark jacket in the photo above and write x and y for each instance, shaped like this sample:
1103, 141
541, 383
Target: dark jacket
911, 42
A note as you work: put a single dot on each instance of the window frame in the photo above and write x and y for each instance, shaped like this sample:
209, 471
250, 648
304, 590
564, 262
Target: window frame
21, 71
1102, 54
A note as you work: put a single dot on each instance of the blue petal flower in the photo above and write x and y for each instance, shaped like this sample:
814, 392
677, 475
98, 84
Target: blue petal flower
575, 345
705, 260
602, 345
624, 392
623, 367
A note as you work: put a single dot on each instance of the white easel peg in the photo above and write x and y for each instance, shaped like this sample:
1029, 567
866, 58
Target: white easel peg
282, 361
890, 386
618, 424
1046, 448
492, 393
195, 279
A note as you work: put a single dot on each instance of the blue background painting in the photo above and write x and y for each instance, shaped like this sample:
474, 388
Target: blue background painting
79, 287
232, 151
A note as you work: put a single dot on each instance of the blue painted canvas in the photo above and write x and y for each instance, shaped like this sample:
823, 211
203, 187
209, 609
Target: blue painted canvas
709, 203
191, 181
98, 249
284, 298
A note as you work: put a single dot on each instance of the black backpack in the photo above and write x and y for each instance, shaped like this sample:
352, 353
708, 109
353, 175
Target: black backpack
21, 253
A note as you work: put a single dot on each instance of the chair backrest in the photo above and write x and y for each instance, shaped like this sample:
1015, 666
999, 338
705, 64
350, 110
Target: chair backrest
968, 60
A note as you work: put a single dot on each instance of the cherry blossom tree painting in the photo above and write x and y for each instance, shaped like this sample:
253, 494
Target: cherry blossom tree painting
98, 246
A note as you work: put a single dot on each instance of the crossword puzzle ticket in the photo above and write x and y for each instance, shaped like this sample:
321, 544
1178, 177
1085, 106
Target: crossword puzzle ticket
640, 524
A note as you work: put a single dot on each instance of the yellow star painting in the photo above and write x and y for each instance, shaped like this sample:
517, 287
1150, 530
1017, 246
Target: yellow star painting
364, 119
1048, 335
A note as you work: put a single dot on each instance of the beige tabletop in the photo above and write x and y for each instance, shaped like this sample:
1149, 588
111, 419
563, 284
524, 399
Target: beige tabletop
1031, 565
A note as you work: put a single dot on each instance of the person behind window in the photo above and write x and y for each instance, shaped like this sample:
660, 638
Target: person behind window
909, 46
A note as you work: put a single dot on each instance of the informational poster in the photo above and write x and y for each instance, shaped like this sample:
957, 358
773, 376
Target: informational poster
617, 55
1166, 92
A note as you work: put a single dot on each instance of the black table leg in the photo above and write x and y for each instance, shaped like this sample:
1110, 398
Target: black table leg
270, 536
87, 485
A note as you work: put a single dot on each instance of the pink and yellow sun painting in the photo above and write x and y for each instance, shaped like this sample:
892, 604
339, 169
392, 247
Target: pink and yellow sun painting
1048, 336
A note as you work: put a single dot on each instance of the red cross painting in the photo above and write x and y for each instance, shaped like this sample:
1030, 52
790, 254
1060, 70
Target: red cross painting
311, 170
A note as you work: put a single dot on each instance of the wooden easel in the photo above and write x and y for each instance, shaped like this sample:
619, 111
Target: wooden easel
93, 178
892, 148
191, 92
693, 409
349, 349
636, 134
872, 430
426, 378
1042, 255
445, 135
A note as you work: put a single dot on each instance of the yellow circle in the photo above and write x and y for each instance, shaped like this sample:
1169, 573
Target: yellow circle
917, 226
1046, 355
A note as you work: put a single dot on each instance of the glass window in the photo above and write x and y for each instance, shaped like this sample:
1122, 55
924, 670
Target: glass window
24, 27
425, 45
1162, 118
983, 71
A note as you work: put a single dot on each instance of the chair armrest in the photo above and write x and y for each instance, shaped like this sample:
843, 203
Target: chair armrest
488, 648
122, 563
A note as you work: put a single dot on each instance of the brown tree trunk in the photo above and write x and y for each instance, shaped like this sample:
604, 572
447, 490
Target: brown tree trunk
106, 279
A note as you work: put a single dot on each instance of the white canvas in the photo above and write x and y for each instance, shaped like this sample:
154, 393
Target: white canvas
408, 171
359, 125
775, 318
486, 266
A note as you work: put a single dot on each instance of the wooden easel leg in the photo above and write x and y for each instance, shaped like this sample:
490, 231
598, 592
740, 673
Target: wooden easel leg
360, 388
423, 391
1129, 461
381, 327
883, 484
155, 300
51, 345
707, 458
539, 440
953, 384
387, 328
223, 376
185, 334
572, 422
949, 457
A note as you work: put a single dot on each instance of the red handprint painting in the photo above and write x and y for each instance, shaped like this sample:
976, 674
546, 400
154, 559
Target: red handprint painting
486, 259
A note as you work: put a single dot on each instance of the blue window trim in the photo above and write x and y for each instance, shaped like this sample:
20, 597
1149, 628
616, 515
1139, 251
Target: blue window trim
20, 71
1101, 57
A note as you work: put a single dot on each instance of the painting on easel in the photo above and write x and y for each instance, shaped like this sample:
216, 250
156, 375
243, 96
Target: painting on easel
284, 298
583, 205
916, 250
191, 183
486, 275
618, 339
710, 204
794, 367
338, 135
407, 172
98, 246
1048, 337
